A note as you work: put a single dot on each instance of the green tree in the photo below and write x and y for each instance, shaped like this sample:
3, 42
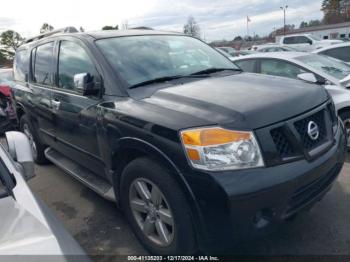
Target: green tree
238, 38
2, 59
303, 24
10, 41
108, 27
46, 28
192, 28
310, 23
315, 22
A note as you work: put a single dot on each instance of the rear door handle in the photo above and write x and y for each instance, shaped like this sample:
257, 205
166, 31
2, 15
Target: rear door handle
56, 104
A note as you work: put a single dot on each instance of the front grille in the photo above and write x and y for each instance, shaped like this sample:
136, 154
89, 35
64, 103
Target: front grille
302, 125
284, 147
305, 194
292, 140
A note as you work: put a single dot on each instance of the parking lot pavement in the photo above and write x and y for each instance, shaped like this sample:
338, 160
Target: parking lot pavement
101, 229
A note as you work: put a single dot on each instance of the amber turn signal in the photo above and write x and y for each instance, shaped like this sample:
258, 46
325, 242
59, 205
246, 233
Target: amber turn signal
212, 136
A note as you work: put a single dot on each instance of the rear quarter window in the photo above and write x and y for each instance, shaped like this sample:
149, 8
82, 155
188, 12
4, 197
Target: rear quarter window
21, 65
42, 64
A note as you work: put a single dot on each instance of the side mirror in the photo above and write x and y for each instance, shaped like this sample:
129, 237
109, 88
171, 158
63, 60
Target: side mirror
308, 77
310, 42
345, 81
85, 83
20, 151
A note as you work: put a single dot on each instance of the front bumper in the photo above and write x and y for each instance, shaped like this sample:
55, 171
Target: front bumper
238, 205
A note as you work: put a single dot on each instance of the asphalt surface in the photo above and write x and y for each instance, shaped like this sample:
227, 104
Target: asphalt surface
100, 228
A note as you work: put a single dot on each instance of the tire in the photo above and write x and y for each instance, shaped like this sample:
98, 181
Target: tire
36, 145
345, 117
181, 237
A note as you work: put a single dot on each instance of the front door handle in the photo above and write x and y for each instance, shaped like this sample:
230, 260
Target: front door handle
56, 104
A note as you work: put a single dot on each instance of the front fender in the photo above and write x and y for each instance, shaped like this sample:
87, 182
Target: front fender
340, 96
129, 143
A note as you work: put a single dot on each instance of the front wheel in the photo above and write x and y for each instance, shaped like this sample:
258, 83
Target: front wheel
36, 146
156, 208
345, 117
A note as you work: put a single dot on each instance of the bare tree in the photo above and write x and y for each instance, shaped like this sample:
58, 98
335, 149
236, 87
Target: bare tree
192, 28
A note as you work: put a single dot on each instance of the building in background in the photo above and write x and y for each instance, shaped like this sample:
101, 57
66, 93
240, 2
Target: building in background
333, 31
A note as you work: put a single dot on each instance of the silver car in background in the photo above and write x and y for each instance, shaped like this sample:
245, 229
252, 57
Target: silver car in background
339, 51
27, 227
326, 71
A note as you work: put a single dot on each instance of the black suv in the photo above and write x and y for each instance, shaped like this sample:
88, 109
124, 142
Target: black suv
195, 152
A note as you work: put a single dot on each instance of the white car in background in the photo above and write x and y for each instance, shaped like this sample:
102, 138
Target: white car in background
271, 47
338, 51
276, 48
326, 71
305, 42
27, 227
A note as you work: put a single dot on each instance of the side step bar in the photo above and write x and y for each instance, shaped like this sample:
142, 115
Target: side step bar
82, 174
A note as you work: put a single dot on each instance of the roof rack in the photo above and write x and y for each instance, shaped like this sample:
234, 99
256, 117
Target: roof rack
69, 29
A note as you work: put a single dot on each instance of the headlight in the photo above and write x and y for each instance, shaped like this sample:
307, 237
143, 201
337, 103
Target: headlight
221, 149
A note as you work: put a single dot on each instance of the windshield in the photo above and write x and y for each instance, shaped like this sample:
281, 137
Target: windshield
326, 64
139, 59
314, 38
5, 76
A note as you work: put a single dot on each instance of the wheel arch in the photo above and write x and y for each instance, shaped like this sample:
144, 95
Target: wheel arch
20, 111
343, 109
133, 148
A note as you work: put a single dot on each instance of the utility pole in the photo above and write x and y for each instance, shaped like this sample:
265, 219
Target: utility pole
284, 9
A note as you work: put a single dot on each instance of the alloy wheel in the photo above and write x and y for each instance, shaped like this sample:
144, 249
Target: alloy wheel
151, 212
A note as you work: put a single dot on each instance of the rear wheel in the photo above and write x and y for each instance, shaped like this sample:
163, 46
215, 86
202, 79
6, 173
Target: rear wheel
345, 117
156, 208
36, 146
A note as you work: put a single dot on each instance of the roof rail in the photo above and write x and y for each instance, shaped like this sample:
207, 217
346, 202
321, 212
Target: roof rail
69, 29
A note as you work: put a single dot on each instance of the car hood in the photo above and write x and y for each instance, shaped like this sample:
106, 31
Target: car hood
245, 101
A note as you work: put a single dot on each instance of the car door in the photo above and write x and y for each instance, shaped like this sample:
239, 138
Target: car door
75, 114
304, 43
38, 100
290, 41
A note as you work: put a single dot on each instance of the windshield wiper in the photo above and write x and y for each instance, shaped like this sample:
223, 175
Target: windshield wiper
165, 79
156, 80
214, 70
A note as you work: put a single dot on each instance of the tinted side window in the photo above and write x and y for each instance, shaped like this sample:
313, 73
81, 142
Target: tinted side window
72, 60
246, 65
303, 40
280, 68
289, 40
43, 64
341, 53
21, 65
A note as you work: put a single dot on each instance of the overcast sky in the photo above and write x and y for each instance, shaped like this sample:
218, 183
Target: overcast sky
218, 19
